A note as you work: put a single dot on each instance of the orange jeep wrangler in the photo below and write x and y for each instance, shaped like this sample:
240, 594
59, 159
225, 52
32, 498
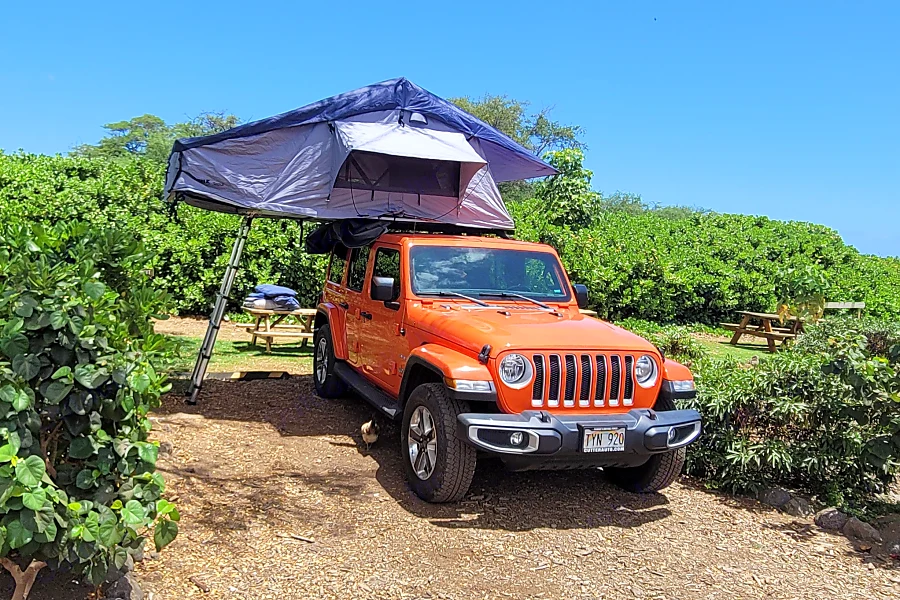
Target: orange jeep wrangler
477, 344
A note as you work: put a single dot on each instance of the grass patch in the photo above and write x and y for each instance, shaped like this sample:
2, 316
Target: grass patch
720, 348
231, 356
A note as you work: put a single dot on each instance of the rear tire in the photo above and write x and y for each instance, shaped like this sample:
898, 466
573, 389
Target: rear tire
328, 385
442, 472
657, 473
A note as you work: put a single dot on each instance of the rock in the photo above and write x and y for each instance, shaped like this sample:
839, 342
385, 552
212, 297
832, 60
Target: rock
125, 588
797, 507
859, 530
115, 574
831, 519
774, 496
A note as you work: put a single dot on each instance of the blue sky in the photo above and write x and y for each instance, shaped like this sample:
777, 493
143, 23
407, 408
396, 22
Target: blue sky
786, 109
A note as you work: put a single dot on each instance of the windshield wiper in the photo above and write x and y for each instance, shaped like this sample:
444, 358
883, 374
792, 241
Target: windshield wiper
458, 295
513, 295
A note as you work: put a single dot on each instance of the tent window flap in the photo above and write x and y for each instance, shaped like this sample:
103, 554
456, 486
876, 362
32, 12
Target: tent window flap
386, 173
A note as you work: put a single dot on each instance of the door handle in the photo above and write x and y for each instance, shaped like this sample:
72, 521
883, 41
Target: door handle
365, 315
344, 305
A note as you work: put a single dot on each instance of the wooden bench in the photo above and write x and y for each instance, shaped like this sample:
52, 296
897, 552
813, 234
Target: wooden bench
268, 325
857, 306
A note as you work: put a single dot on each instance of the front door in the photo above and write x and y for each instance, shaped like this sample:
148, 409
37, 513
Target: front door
356, 279
384, 345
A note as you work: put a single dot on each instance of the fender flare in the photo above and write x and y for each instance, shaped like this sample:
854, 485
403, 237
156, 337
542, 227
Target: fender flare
335, 317
675, 371
445, 363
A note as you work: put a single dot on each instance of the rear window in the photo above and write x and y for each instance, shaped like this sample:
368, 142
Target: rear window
359, 259
338, 265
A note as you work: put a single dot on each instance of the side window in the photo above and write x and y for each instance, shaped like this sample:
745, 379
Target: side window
359, 258
387, 264
338, 264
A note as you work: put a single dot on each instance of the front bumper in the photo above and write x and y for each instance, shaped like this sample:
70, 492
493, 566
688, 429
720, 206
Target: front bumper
555, 441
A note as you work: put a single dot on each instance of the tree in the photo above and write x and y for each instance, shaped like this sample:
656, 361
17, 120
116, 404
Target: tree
568, 197
125, 137
535, 131
151, 137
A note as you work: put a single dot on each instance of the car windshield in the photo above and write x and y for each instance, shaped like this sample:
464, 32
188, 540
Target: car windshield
487, 273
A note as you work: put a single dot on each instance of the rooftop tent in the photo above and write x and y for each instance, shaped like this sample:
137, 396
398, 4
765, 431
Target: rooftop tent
389, 151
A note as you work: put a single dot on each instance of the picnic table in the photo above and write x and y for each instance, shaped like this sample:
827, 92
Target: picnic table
269, 324
766, 325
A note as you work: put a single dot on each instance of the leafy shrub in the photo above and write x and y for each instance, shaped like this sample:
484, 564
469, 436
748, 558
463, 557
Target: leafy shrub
669, 265
801, 292
189, 252
675, 341
692, 267
568, 197
827, 335
818, 416
80, 367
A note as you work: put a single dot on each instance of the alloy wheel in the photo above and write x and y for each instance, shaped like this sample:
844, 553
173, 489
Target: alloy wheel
321, 361
422, 442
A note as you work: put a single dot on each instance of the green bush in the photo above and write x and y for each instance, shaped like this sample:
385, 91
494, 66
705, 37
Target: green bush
190, 251
689, 267
836, 332
80, 367
669, 265
821, 416
675, 341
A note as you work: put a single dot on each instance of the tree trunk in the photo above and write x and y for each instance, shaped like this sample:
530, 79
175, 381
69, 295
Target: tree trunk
24, 579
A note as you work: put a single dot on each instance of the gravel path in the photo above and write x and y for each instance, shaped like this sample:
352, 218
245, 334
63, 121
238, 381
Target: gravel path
280, 499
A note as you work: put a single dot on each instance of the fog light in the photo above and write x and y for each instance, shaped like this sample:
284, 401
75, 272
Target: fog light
673, 433
515, 438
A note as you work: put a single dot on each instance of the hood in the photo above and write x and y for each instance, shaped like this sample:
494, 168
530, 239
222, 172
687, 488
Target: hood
523, 328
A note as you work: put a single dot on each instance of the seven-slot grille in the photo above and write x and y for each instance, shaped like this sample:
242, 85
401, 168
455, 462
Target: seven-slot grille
605, 380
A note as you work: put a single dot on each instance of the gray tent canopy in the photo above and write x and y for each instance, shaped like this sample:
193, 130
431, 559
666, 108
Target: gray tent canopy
391, 151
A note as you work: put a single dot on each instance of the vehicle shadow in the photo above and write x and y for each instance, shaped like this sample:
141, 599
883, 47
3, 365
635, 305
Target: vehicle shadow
497, 499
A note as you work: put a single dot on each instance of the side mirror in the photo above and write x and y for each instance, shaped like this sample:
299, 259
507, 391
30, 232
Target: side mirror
383, 289
581, 295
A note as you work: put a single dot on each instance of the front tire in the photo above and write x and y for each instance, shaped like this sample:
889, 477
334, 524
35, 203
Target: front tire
328, 385
439, 466
657, 473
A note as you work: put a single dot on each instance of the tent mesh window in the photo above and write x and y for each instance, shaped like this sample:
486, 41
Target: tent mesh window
386, 173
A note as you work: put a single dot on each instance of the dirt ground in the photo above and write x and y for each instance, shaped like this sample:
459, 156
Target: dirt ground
196, 327
280, 499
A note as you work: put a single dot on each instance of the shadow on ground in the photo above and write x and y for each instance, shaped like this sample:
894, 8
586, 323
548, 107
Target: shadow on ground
49, 585
497, 499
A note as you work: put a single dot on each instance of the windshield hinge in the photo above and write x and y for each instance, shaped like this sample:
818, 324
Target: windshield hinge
485, 354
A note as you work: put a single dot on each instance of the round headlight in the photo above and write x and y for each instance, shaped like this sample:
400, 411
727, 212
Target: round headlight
516, 371
645, 371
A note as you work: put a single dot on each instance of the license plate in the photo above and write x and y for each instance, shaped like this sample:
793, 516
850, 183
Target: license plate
604, 440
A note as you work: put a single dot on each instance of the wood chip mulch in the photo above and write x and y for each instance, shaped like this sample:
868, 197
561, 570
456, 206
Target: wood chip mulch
279, 499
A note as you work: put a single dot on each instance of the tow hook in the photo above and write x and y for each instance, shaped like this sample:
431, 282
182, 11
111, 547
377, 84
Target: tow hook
545, 416
651, 414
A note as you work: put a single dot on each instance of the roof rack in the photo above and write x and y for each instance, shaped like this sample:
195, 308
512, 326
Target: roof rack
444, 228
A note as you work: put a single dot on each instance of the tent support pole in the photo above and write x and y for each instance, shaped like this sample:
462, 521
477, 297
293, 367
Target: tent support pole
215, 319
